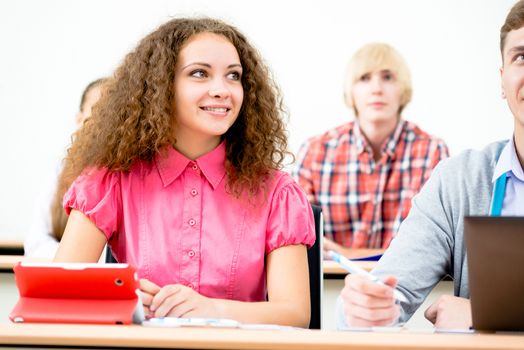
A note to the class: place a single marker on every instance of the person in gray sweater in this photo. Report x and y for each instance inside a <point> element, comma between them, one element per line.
<point>430,242</point>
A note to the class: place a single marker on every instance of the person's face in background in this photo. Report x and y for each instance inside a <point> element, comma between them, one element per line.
<point>376,97</point>
<point>208,89</point>
<point>512,73</point>
<point>92,97</point>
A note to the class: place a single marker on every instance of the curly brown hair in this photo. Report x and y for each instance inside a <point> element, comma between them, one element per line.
<point>133,119</point>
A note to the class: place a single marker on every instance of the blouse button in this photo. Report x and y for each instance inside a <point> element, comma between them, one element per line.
<point>194,192</point>
<point>191,222</point>
<point>194,166</point>
<point>191,253</point>
<point>190,285</point>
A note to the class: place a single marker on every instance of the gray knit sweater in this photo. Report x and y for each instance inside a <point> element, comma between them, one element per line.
<point>430,241</point>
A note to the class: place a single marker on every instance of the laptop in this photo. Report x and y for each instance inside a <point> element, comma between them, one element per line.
<point>495,253</point>
<point>77,293</point>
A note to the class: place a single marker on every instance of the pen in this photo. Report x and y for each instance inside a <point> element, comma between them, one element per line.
<point>194,321</point>
<point>353,268</point>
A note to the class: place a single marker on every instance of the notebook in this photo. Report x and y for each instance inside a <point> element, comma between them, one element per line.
<point>495,253</point>
<point>77,293</point>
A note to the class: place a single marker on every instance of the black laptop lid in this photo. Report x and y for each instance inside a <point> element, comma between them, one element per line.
<point>495,253</point>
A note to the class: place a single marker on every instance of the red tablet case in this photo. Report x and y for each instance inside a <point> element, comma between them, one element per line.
<point>75,293</point>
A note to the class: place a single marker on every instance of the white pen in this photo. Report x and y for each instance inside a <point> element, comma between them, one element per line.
<point>353,268</point>
<point>192,321</point>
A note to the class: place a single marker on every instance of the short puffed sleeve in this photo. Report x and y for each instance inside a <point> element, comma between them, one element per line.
<point>290,217</point>
<point>96,193</point>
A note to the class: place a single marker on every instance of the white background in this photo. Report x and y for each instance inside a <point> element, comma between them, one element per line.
<point>49,51</point>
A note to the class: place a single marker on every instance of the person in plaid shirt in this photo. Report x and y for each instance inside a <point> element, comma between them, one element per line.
<point>364,173</point>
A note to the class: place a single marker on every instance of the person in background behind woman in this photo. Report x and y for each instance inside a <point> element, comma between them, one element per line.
<point>178,170</point>
<point>364,173</point>
<point>49,218</point>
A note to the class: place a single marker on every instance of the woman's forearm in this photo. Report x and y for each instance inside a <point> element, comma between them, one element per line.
<point>274,312</point>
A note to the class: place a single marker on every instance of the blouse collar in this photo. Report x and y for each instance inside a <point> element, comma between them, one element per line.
<point>171,163</point>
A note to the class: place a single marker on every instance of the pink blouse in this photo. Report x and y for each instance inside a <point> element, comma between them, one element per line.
<point>174,221</point>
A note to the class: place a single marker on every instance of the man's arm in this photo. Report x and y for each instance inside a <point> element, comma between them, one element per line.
<point>419,257</point>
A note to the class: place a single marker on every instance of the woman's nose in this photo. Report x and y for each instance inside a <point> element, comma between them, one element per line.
<point>219,89</point>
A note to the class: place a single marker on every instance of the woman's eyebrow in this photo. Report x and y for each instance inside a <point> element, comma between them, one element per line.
<point>197,64</point>
<point>209,66</point>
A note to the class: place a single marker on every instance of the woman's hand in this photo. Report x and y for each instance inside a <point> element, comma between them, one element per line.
<point>148,290</point>
<point>177,300</point>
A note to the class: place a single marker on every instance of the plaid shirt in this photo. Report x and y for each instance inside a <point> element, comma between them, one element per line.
<point>363,200</point>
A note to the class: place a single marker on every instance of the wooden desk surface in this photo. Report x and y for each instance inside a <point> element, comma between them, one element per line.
<point>211,338</point>
<point>8,261</point>
<point>11,243</point>
<point>11,247</point>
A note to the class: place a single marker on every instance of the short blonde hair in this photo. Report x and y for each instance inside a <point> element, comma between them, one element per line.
<point>376,57</point>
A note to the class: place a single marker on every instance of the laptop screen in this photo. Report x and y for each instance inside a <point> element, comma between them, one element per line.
<point>495,253</point>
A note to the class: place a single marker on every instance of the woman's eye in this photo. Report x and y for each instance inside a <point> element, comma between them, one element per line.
<point>198,73</point>
<point>388,76</point>
<point>519,58</point>
<point>234,76</point>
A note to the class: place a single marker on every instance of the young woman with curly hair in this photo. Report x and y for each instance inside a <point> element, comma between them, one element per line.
<point>178,170</point>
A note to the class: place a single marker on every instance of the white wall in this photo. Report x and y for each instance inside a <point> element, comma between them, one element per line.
<point>51,49</point>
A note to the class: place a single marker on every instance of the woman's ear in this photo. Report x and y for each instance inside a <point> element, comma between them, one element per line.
<point>79,119</point>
